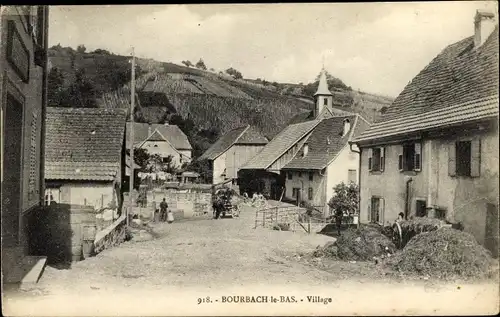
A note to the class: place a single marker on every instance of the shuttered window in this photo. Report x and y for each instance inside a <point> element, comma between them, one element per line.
<point>376,212</point>
<point>464,158</point>
<point>370,154</point>
<point>376,159</point>
<point>410,157</point>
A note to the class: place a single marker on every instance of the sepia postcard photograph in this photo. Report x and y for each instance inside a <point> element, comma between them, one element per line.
<point>285,159</point>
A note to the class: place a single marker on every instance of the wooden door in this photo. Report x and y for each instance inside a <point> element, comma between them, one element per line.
<point>12,162</point>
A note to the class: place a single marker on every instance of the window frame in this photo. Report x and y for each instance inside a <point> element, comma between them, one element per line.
<point>411,162</point>
<point>381,210</point>
<point>464,159</point>
<point>381,159</point>
<point>475,157</point>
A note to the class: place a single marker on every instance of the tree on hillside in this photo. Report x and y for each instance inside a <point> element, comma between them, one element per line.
<point>233,72</point>
<point>187,63</point>
<point>81,92</point>
<point>81,48</point>
<point>201,65</point>
<point>101,51</point>
<point>55,87</point>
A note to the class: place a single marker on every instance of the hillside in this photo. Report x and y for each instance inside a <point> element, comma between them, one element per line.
<point>205,104</point>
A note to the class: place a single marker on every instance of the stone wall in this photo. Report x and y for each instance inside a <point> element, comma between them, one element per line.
<point>111,236</point>
<point>189,204</point>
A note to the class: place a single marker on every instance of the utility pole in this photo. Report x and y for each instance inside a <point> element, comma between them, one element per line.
<point>131,164</point>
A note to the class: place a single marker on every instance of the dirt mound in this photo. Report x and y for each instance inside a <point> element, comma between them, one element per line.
<point>443,253</point>
<point>360,244</point>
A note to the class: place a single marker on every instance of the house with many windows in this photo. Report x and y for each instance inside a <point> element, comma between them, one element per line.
<point>309,157</point>
<point>435,151</point>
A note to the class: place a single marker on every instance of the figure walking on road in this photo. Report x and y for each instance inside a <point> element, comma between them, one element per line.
<point>163,210</point>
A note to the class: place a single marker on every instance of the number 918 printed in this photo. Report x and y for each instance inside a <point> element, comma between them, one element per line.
<point>205,300</point>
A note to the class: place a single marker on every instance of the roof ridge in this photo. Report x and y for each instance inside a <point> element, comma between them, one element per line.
<point>298,139</point>
<point>241,134</point>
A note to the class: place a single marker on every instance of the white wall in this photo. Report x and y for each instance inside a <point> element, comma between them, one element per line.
<point>338,170</point>
<point>219,164</point>
<point>303,182</point>
<point>163,149</point>
<point>90,194</point>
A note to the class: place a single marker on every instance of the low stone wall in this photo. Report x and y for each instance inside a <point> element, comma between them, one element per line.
<point>189,204</point>
<point>111,235</point>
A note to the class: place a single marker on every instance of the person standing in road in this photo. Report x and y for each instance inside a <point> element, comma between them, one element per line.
<point>163,210</point>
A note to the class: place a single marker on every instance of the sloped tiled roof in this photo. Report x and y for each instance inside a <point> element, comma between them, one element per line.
<point>460,75</point>
<point>172,133</point>
<point>241,135</point>
<point>309,115</point>
<point>83,143</point>
<point>280,144</point>
<point>324,143</point>
<point>451,116</point>
<point>252,136</point>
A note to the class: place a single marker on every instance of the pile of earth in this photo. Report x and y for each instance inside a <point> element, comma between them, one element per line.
<point>358,244</point>
<point>444,253</point>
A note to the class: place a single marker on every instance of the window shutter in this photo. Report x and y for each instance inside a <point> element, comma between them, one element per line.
<point>452,162</point>
<point>400,159</point>
<point>418,157</point>
<point>369,213</point>
<point>381,209</point>
<point>475,162</point>
<point>370,154</point>
<point>382,158</point>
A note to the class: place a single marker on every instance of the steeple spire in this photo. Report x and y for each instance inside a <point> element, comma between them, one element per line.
<point>323,85</point>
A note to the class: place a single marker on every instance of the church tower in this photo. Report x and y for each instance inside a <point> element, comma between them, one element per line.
<point>323,97</point>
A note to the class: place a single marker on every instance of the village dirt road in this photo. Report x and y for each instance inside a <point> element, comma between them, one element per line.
<point>195,259</point>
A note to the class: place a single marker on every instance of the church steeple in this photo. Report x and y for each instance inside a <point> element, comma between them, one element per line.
<point>323,97</point>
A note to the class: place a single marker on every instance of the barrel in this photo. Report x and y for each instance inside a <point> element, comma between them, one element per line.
<point>76,238</point>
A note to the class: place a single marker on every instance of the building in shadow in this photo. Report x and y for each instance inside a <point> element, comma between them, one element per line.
<point>23,91</point>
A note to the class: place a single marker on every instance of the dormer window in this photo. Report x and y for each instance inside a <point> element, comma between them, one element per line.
<point>347,127</point>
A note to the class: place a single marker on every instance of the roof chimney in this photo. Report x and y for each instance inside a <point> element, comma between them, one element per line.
<point>484,24</point>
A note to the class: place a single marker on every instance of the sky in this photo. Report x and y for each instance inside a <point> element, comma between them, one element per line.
<point>374,47</point>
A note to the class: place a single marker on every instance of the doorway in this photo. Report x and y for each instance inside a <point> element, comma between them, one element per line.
<point>420,208</point>
<point>12,129</point>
